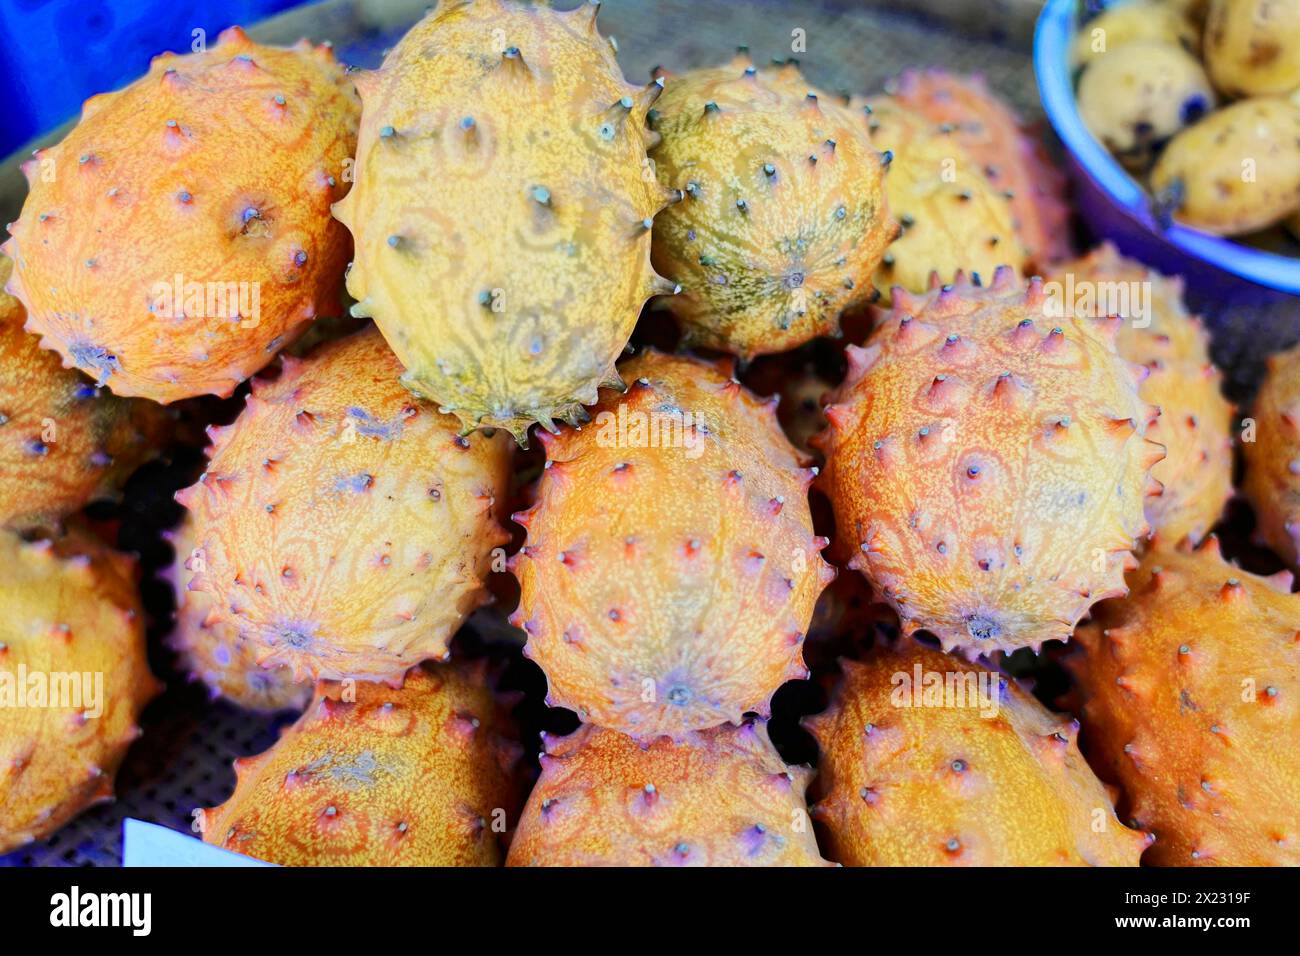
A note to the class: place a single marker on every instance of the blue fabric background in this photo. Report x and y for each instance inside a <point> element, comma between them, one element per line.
<point>56,53</point>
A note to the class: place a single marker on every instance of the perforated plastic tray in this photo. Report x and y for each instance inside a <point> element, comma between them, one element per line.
<point>183,760</point>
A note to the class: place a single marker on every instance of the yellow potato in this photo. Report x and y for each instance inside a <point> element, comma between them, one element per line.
<point>1237,170</point>
<point>1252,47</point>
<point>1135,98</point>
<point>1128,22</point>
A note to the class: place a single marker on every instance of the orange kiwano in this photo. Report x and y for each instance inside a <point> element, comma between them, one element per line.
<point>213,175</point>
<point>1272,455</point>
<point>343,527</point>
<point>1195,423</point>
<point>953,219</point>
<point>670,569</point>
<point>370,775</point>
<point>70,611</point>
<point>929,761</point>
<point>1191,690</point>
<point>720,797</point>
<point>783,219</point>
<point>986,461</point>
<point>1011,157</point>
<point>215,653</point>
<point>63,441</point>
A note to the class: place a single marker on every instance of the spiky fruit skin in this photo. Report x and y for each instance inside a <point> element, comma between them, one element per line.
<point>215,654</point>
<point>217,167</point>
<point>1191,689</point>
<point>1252,47</point>
<point>913,778</point>
<point>502,210</point>
<point>1200,171</point>
<point>1272,477</point>
<point>63,441</point>
<point>970,432</point>
<point>720,797</point>
<point>346,527</point>
<point>783,218</point>
<point>423,775</point>
<point>1012,158</point>
<point>667,587</point>
<point>1195,423</point>
<point>953,218</point>
<point>70,610</point>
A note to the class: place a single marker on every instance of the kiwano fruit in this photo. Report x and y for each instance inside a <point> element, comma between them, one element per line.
<point>371,775</point>
<point>213,175</point>
<point>1272,478</point>
<point>783,220</point>
<point>720,797</point>
<point>1135,98</point>
<point>1012,157</point>
<point>1252,47</point>
<point>345,527</point>
<point>73,679</point>
<point>953,219</point>
<point>214,653</point>
<point>63,441</point>
<point>670,568</point>
<point>1191,689</point>
<point>502,210</point>
<point>929,761</point>
<point>1135,20</point>
<point>1195,423</point>
<point>972,431</point>
<point>1199,176</point>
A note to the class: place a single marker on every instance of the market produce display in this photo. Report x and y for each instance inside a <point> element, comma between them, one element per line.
<point>756,436</point>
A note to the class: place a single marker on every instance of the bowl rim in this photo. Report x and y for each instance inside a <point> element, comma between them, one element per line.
<point>1053,37</point>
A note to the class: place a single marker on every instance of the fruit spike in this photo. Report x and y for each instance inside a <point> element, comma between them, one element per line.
<point>1195,423</point>
<point>1191,690</point>
<point>953,219</point>
<point>346,528</point>
<point>784,220</point>
<point>972,430</point>
<point>670,568</point>
<point>213,174</point>
<point>63,442</point>
<point>928,761</point>
<point>215,654</point>
<point>507,277</point>
<point>371,775</point>
<point>72,632</point>
<point>1272,457</point>
<point>720,797</point>
<point>1011,156</point>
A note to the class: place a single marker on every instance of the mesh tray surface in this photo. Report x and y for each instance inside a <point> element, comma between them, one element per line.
<point>183,760</point>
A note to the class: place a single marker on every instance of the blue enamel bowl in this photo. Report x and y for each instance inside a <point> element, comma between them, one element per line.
<point>1250,297</point>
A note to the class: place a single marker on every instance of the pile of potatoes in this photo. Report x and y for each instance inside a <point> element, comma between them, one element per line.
<point>1201,98</point>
